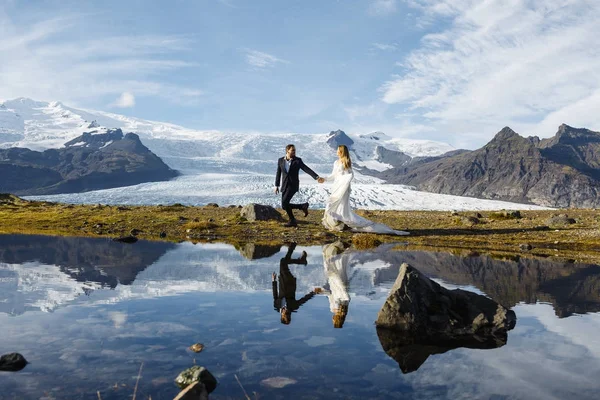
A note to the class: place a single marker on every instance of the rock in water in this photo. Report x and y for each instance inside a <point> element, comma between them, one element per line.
<point>422,308</point>
<point>196,374</point>
<point>12,362</point>
<point>126,239</point>
<point>259,212</point>
<point>197,347</point>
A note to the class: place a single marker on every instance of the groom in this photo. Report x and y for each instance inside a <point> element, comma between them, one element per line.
<point>288,168</point>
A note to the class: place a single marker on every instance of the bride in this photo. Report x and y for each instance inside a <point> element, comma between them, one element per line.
<point>338,213</point>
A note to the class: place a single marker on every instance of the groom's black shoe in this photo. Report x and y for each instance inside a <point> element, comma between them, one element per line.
<point>291,224</point>
<point>305,209</point>
<point>303,258</point>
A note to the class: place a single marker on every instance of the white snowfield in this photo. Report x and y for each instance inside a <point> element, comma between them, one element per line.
<point>227,167</point>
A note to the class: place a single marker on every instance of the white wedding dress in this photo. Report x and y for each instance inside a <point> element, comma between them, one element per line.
<point>338,212</point>
<point>335,262</point>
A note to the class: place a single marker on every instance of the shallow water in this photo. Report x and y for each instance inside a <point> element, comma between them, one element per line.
<point>86,313</point>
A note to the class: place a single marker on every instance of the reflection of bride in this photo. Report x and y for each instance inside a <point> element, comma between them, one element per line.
<point>336,270</point>
<point>338,213</point>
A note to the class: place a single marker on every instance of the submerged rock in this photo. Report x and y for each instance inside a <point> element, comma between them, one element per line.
<point>197,347</point>
<point>422,308</point>
<point>196,374</point>
<point>259,212</point>
<point>12,362</point>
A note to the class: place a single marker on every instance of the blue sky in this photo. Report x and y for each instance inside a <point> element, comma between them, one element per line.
<point>414,68</point>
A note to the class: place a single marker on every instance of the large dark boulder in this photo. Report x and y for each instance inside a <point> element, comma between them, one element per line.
<point>91,161</point>
<point>12,362</point>
<point>258,212</point>
<point>421,318</point>
<point>420,307</point>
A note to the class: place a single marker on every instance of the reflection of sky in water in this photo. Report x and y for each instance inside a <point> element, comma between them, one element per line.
<point>95,342</point>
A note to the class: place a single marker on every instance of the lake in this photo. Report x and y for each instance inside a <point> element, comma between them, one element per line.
<point>87,313</point>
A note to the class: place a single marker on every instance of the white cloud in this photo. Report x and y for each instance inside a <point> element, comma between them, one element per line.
<point>382,7</point>
<point>50,60</point>
<point>528,64</point>
<point>125,100</point>
<point>260,59</point>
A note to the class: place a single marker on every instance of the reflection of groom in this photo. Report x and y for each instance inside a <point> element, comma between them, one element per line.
<point>285,301</point>
<point>288,168</point>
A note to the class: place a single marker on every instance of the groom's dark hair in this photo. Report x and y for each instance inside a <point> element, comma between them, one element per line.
<point>289,146</point>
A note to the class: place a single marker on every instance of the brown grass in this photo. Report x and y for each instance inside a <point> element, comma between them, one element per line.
<point>429,229</point>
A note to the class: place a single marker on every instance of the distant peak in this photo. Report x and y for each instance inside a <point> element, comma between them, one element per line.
<point>567,133</point>
<point>337,138</point>
<point>337,133</point>
<point>378,135</point>
<point>506,133</point>
<point>25,101</point>
<point>93,124</point>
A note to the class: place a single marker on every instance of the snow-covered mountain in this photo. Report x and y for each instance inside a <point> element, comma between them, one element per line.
<point>225,167</point>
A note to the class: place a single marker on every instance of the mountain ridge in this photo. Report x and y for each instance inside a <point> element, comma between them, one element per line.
<point>562,171</point>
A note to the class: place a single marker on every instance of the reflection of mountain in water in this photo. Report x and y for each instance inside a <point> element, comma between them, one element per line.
<point>41,272</point>
<point>570,288</point>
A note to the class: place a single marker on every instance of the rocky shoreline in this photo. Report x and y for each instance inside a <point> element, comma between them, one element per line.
<point>573,234</point>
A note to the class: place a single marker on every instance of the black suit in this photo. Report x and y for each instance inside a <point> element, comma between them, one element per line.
<point>291,183</point>
<point>287,284</point>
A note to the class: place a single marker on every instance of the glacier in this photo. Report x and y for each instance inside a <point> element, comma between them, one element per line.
<point>227,168</point>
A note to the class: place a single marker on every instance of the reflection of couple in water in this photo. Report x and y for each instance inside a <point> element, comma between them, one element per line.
<point>335,264</point>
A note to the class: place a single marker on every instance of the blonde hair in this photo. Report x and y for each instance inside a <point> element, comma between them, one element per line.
<point>345,158</point>
<point>339,316</point>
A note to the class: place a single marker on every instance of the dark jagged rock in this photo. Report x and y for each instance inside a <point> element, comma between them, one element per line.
<point>89,162</point>
<point>420,307</point>
<point>259,212</point>
<point>421,318</point>
<point>563,171</point>
<point>197,374</point>
<point>337,138</point>
<point>12,362</point>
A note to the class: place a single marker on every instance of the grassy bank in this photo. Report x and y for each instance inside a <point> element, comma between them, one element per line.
<point>465,231</point>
